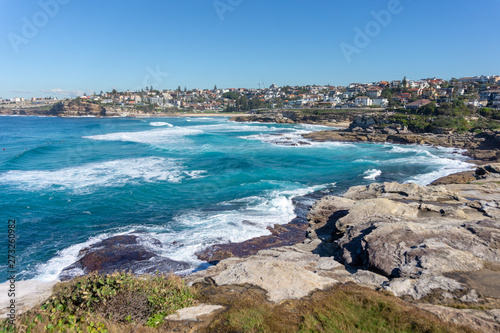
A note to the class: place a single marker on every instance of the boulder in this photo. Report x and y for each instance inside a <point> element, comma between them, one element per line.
<point>456,178</point>
<point>281,279</point>
<point>363,211</point>
<point>418,288</point>
<point>412,249</point>
<point>325,210</point>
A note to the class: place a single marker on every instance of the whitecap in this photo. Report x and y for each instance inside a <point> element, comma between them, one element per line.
<point>89,177</point>
<point>157,136</point>
<point>160,123</point>
<point>372,174</point>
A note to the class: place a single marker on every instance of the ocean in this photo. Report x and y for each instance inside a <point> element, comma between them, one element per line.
<point>189,182</point>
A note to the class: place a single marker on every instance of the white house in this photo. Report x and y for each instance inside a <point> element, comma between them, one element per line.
<point>380,101</point>
<point>363,100</point>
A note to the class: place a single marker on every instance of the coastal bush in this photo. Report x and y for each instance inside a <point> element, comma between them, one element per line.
<point>344,308</point>
<point>489,113</point>
<point>96,303</point>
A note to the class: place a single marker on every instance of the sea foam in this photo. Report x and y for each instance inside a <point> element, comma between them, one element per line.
<point>89,177</point>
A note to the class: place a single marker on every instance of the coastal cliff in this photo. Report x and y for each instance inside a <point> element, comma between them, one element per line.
<point>77,108</point>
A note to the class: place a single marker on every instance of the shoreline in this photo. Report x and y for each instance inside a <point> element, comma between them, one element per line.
<point>46,287</point>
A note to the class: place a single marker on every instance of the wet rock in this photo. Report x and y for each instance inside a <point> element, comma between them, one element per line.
<point>281,235</point>
<point>121,253</point>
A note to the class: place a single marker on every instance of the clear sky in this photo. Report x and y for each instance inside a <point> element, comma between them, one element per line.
<point>64,47</point>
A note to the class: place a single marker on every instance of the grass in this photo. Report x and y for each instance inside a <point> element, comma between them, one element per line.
<point>344,308</point>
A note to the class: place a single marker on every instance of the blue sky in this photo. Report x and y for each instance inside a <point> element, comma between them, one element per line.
<point>100,45</point>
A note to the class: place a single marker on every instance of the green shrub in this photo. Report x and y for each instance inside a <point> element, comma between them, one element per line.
<point>94,302</point>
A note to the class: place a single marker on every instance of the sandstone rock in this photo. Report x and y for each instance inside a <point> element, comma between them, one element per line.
<point>369,278</point>
<point>482,321</point>
<point>418,288</point>
<point>281,235</point>
<point>281,279</point>
<point>194,313</point>
<point>375,209</point>
<point>322,211</point>
<point>397,191</point>
<point>456,178</point>
<point>489,169</point>
<point>414,248</point>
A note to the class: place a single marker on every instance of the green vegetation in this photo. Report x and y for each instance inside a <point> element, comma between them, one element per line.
<point>489,113</point>
<point>344,308</point>
<point>117,302</point>
<point>455,116</point>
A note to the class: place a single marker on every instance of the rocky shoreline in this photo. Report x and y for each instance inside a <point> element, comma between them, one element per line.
<point>436,246</point>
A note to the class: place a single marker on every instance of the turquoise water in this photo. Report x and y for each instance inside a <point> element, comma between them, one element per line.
<point>189,182</point>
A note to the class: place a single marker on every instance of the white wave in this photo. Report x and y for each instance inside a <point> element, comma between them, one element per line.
<point>282,139</point>
<point>372,174</point>
<point>50,270</point>
<point>157,136</point>
<point>160,123</point>
<point>234,127</point>
<point>447,167</point>
<point>232,221</point>
<point>424,149</point>
<point>235,221</point>
<point>88,177</point>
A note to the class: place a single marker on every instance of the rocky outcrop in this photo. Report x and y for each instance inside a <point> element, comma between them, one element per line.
<point>120,253</point>
<point>416,236</point>
<point>291,117</point>
<point>281,279</point>
<point>289,272</point>
<point>77,108</point>
<point>281,235</point>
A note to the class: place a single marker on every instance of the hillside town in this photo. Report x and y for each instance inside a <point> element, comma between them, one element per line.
<point>477,91</point>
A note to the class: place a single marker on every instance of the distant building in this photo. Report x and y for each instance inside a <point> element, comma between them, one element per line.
<point>363,100</point>
<point>417,104</point>
<point>380,101</point>
<point>374,92</point>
